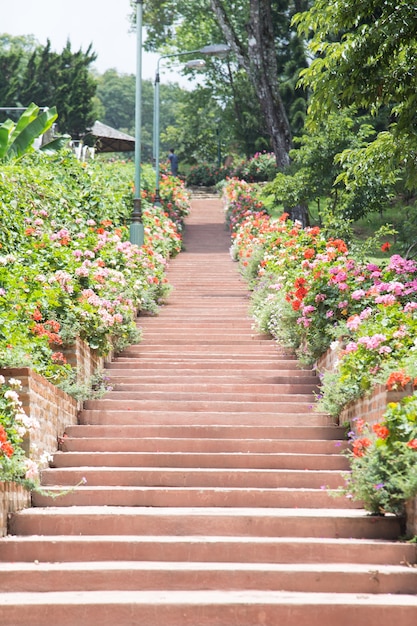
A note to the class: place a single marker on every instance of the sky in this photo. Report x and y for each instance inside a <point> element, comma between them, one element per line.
<point>104,23</point>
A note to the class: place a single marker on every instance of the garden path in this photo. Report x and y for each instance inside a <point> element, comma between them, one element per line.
<point>206,468</point>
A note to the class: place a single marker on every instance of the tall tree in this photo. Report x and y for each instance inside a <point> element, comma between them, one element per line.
<point>258,32</point>
<point>366,56</point>
<point>63,80</point>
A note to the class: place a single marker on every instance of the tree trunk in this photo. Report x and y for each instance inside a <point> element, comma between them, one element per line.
<point>259,61</point>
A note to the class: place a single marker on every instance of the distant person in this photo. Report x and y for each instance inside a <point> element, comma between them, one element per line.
<point>173,159</point>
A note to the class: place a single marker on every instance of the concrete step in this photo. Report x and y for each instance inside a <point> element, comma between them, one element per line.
<point>289,404</point>
<point>132,415</point>
<point>185,397</point>
<point>88,495</point>
<point>193,576</point>
<point>202,459</point>
<point>142,372</point>
<point>194,477</point>
<point>238,389</point>
<point>330,523</point>
<point>189,444</point>
<point>331,434</point>
<point>284,550</point>
<point>217,608</point>
<point>273,366</point>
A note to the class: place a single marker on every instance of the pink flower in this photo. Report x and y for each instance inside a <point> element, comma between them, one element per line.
<point>358,294</point>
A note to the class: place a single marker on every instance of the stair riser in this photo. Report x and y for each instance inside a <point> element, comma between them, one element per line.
<point>223,407</point>
<point>103,416</point>
<point>188,389</point>
<point>277,433</point>
<point>226,460</point>
<point>238,525</point>
<point>200,445</point>
<point>204,397</point>
<point>181,614</point>
<point>233,550</point>
<point>144,378</point>
<point>204,497</point>
<point>177,579</point>
<point>171,477</point>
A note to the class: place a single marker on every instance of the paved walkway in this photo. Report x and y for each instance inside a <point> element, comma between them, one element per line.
<point>205,502</point>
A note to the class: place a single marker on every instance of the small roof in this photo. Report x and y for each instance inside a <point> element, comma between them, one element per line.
<point>111,140</point>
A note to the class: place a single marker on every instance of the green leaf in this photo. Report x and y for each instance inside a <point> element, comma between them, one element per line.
<point>24,140</point>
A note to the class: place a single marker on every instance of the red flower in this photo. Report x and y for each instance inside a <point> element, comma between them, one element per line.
<point>7,448</point>
<point>339,244</point>
<point>3,434</point>
<point>385,246</point>
<point>309,253</point>
<point>412,444</point>
<point>57,357</point>
<point>283,217</point>
<point>37,315</point>
<point>381,431</point>
<point>397,381</point>
<point>360,446</point>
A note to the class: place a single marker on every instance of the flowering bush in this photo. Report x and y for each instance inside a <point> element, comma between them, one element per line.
<point>261,167</point>
<point>68,268</point>
<point>14,426</point>
<point>310,292</point>
<point>383,459</point>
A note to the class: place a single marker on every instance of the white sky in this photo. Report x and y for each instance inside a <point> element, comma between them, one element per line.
<point>104,23</point>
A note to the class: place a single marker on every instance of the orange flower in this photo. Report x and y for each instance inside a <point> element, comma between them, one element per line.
<point>37,315</point>
<point>7,448</point>
<point>360,446</point>
<point>309,253</point>
<point>397,381</point>
<point>380,430</point>
<point>385,246</point>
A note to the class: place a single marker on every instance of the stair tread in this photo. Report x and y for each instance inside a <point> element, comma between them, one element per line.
<point>189,597</point>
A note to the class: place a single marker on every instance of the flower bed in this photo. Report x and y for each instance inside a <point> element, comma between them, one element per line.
<point>310,291</point>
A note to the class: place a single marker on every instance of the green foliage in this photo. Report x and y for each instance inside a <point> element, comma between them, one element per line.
<point>261,167</point>
<point>18,139</point>
<point>63,80</point>
<point>67,268</point>
<point>328,167</point>
<point>365,55</point>
<point>14,426</point>
<point>236,81</point>
<point>384,460</point>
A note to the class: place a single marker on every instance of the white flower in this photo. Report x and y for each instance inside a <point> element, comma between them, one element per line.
<point>15,383</point>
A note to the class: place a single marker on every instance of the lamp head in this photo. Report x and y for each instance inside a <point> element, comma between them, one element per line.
<point>195,64</point>
<point>215,50</point>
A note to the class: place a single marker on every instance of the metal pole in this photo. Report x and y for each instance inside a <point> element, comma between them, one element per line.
<point>136,225</point>
<point>156,137</point>
<point>218,50</point>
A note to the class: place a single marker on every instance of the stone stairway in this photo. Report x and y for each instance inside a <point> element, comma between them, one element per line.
<point>206,485</point>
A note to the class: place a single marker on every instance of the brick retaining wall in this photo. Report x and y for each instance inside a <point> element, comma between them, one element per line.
<point>53,408</point>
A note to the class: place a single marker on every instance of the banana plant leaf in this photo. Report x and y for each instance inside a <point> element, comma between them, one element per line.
<point>33,129</point>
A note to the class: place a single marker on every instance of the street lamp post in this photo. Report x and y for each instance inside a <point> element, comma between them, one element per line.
<point>218,50</point>
<point>136,225</point>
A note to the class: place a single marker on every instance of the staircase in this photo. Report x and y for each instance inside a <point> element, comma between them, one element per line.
<point>208,477</point>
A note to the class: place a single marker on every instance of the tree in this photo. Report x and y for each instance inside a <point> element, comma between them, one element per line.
<point>366,56</point>
<point>258,32</point>
<point>62,80</point>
